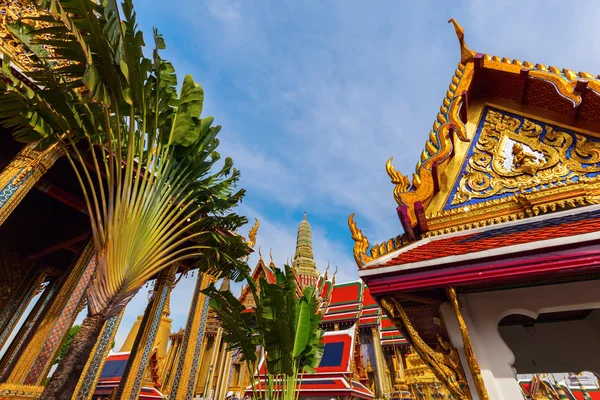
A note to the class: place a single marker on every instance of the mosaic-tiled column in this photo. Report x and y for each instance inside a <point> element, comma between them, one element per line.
<point>33,366</point>
<point>131,380</point>
<point>22,174</point>
<point>166,377</point>
<point>378,359</point>
<point>184,379</point>
<point>25,333</point>
<point>93,369</point>
<point>22,295</point>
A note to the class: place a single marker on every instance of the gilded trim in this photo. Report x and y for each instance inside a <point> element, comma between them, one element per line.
<point>468,347</point>
<point>22,174</point>
<point>445,364</point>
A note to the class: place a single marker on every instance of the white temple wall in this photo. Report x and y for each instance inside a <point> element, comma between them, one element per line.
<point>483,311</point>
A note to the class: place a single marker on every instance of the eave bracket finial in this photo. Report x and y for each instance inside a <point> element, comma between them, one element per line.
<point>252,233</point>
<point>466,54</point>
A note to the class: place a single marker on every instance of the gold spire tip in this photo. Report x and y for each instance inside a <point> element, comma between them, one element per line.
<point>466,54</point>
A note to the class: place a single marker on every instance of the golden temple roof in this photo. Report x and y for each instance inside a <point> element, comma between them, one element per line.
<point>428,204</point>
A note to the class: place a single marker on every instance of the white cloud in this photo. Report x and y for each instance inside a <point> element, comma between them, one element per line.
<point>225,10</point>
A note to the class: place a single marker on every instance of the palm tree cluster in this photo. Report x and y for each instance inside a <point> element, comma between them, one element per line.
<point>155,188</point>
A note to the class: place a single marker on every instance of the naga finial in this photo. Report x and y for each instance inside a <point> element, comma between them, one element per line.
<point>326,269</point>
<point>334,274</point>
<point>361,243</point>
<point>401,181</point>
<point>466,54</point>
<point>252,233</point>
<point>259,253</point>
<point>271,256</point>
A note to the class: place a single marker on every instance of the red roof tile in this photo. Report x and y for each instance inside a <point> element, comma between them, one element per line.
<point>569,225</point>
<point>346,293</point>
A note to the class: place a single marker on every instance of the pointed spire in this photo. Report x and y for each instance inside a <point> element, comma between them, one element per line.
<point>304,261</point>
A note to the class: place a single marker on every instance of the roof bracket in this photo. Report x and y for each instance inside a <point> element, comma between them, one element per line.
<point>405,221</point>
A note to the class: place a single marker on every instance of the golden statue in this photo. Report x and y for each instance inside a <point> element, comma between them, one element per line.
<point>526,162</point>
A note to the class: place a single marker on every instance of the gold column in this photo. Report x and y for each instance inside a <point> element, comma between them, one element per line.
<point>23,337</point>
<point>223,373</point>
<point>214,361</point>
<point>166,376</point>
<point>199,381</point>
<point>30,286</point>
<point>379,363</point>
<point>184,380</point>
<point>33,366</point>
<point>22,174</point>
<point>471,359</point>
<point>95,364</point>
<point>131,380</point>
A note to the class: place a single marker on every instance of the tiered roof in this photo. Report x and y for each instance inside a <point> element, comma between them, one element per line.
<point>352,303</point>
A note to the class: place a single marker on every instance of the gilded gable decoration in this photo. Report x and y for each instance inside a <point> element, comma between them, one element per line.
<point>513,152</point>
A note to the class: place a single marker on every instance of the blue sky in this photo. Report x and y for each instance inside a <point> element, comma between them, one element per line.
<point>314,96</point>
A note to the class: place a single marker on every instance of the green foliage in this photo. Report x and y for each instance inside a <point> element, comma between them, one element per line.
<point>66,343</point>
<point>155,188</point>
<point>283,324</point>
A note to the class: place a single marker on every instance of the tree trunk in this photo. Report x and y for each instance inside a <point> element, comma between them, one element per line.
<point>64,380</point>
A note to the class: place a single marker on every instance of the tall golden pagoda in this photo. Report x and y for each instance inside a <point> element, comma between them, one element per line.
<point>304,261</point>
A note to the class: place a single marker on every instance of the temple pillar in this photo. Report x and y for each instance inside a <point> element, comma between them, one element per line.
<point>93,368</point>
<point>184,379</point>
<point>166,376</point>
<point>34,364</point>
<point>131,381</point>
<point>25,333</point>
<point>22,174</point>
<point>379,362</point>
<point>214,360</point>
<point>199,382</point>
<point>223,372</point>
<point>12,311</point>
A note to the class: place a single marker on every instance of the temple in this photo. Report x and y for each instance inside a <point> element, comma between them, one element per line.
<point>365,355</point>
<point>494,279</point>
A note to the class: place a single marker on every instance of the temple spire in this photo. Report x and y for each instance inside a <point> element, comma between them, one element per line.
<point>304,261</point>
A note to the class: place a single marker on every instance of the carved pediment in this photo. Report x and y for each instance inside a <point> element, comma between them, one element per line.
<point>512,154</point>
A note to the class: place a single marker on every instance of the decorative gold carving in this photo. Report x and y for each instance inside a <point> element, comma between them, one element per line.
<point>12,391</point>
<point>466,54</point>
<point>438,150</point>
<point>23,172</point>
<point>401,181</point>
<point>361,243</point>
<point>252,233</point>
<point>511,154</point>
<point>528,201</point>
<point>468,347</point>
<point>445,365</point>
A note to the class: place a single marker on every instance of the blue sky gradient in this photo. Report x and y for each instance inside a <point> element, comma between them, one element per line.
<point>314,96</point>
